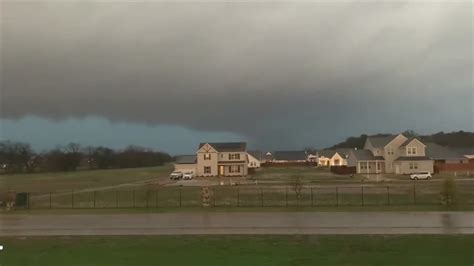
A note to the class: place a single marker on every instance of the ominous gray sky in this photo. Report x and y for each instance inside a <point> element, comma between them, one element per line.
<point>277,74</point>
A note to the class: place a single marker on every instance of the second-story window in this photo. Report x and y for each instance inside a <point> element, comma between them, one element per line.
<point>207,156</point>
<point>234,156</point>
<point>411,150</point>
<point>390,151</point>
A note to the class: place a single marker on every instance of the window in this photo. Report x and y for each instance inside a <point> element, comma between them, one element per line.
<point>207,169</point>
<point>413,166</point>
<point>336,162</point>
<point>234,169</point>
<point>390,151</point>
<point>234,156</point>
<point>207,156</point>
<point>411,150</point>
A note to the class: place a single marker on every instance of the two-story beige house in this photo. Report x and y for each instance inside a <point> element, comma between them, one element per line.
<point>391,154</point>
<point>222,159</point>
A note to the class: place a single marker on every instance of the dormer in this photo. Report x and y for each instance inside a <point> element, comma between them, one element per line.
<point>412,147</point>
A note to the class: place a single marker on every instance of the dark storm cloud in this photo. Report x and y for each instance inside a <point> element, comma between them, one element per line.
<point>282,71</point>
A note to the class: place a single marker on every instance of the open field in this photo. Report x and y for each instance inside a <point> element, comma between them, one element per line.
<point>86,179</point>
<point>253,196</point>
<point>269,187</point>
<point>239,250</point>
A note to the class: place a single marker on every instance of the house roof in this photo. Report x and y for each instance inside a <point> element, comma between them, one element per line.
<point>289,155</point>
<point>380,142</point>
<point>344,152</point>
<point>465,151</point>
<point>365,155</point>
<point>186,159</point>
<point>257,154</point>
<point>438,152</point>
<point>410,139</point>
<point>413,158</point>
<point>326,153</point>
<point>226,146</point>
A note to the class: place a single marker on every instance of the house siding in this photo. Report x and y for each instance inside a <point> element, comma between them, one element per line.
<point>403,167</point>
<point>201,164</point>
<point>390,158</point>
<point>221,161</point>
<point>185,167</point>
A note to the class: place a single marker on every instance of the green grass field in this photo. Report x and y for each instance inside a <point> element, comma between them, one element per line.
<point>46,182</point>
<point>238,250</point>
<point>106,189</point>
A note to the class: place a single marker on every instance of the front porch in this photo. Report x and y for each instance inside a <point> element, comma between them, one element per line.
<point>371,167</point>
<point>232,169</point>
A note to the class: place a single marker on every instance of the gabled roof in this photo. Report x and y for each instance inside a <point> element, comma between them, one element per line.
<point>226,146</point>
<point>186,159</point>
<point>410,139</point>
<point>438,152</point>
<point>344,152</point>
<point>289,155</point>
<point>380,142</point>
<point>326,153</point>
<point>365,155</point>
<point>257,155</point>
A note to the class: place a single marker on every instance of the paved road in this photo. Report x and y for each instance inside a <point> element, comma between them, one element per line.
<point>239,223</point>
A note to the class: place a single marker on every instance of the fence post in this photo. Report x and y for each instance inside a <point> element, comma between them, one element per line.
<point>261,196</point>
<point>414,194</point>
<point>28,200</point>
<point>362,195</point>
<point>180,198</point>
<point>156,198</point>
<point>50,200</point>
<point>388,195</point>
<point>311,189</point>
<point>94,198</point>
<point>72,198</point>
<point>337,196</point>
<point>116,199</point>
<point>286,197</point>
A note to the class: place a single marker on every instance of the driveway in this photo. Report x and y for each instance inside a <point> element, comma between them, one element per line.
<point>239,223</point>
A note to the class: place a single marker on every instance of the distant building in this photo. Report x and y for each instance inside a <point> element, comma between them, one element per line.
<point>391,154</point>
<point>255,159</point>
<point>289,156</point>
<point>216,159</point>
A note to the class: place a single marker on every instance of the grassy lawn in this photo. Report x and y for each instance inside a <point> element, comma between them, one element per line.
<point>285,175</point>
<point>45,182</point>
<point>239,250</point>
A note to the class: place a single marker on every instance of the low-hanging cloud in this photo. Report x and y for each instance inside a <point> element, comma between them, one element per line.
<point>272,71</point>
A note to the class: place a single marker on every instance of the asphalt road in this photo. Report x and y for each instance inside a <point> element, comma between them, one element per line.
<point>239,223</point>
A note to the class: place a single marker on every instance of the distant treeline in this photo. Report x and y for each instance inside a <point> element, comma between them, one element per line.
<point>19,157</point>
<point>452,139</point>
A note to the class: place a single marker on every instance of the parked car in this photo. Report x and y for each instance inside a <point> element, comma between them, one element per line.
<point>420,175</point>
<point>176,175</point>
<point>188,176</point>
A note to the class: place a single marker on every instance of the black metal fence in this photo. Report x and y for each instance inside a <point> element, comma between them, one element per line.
<point>244,196</point>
